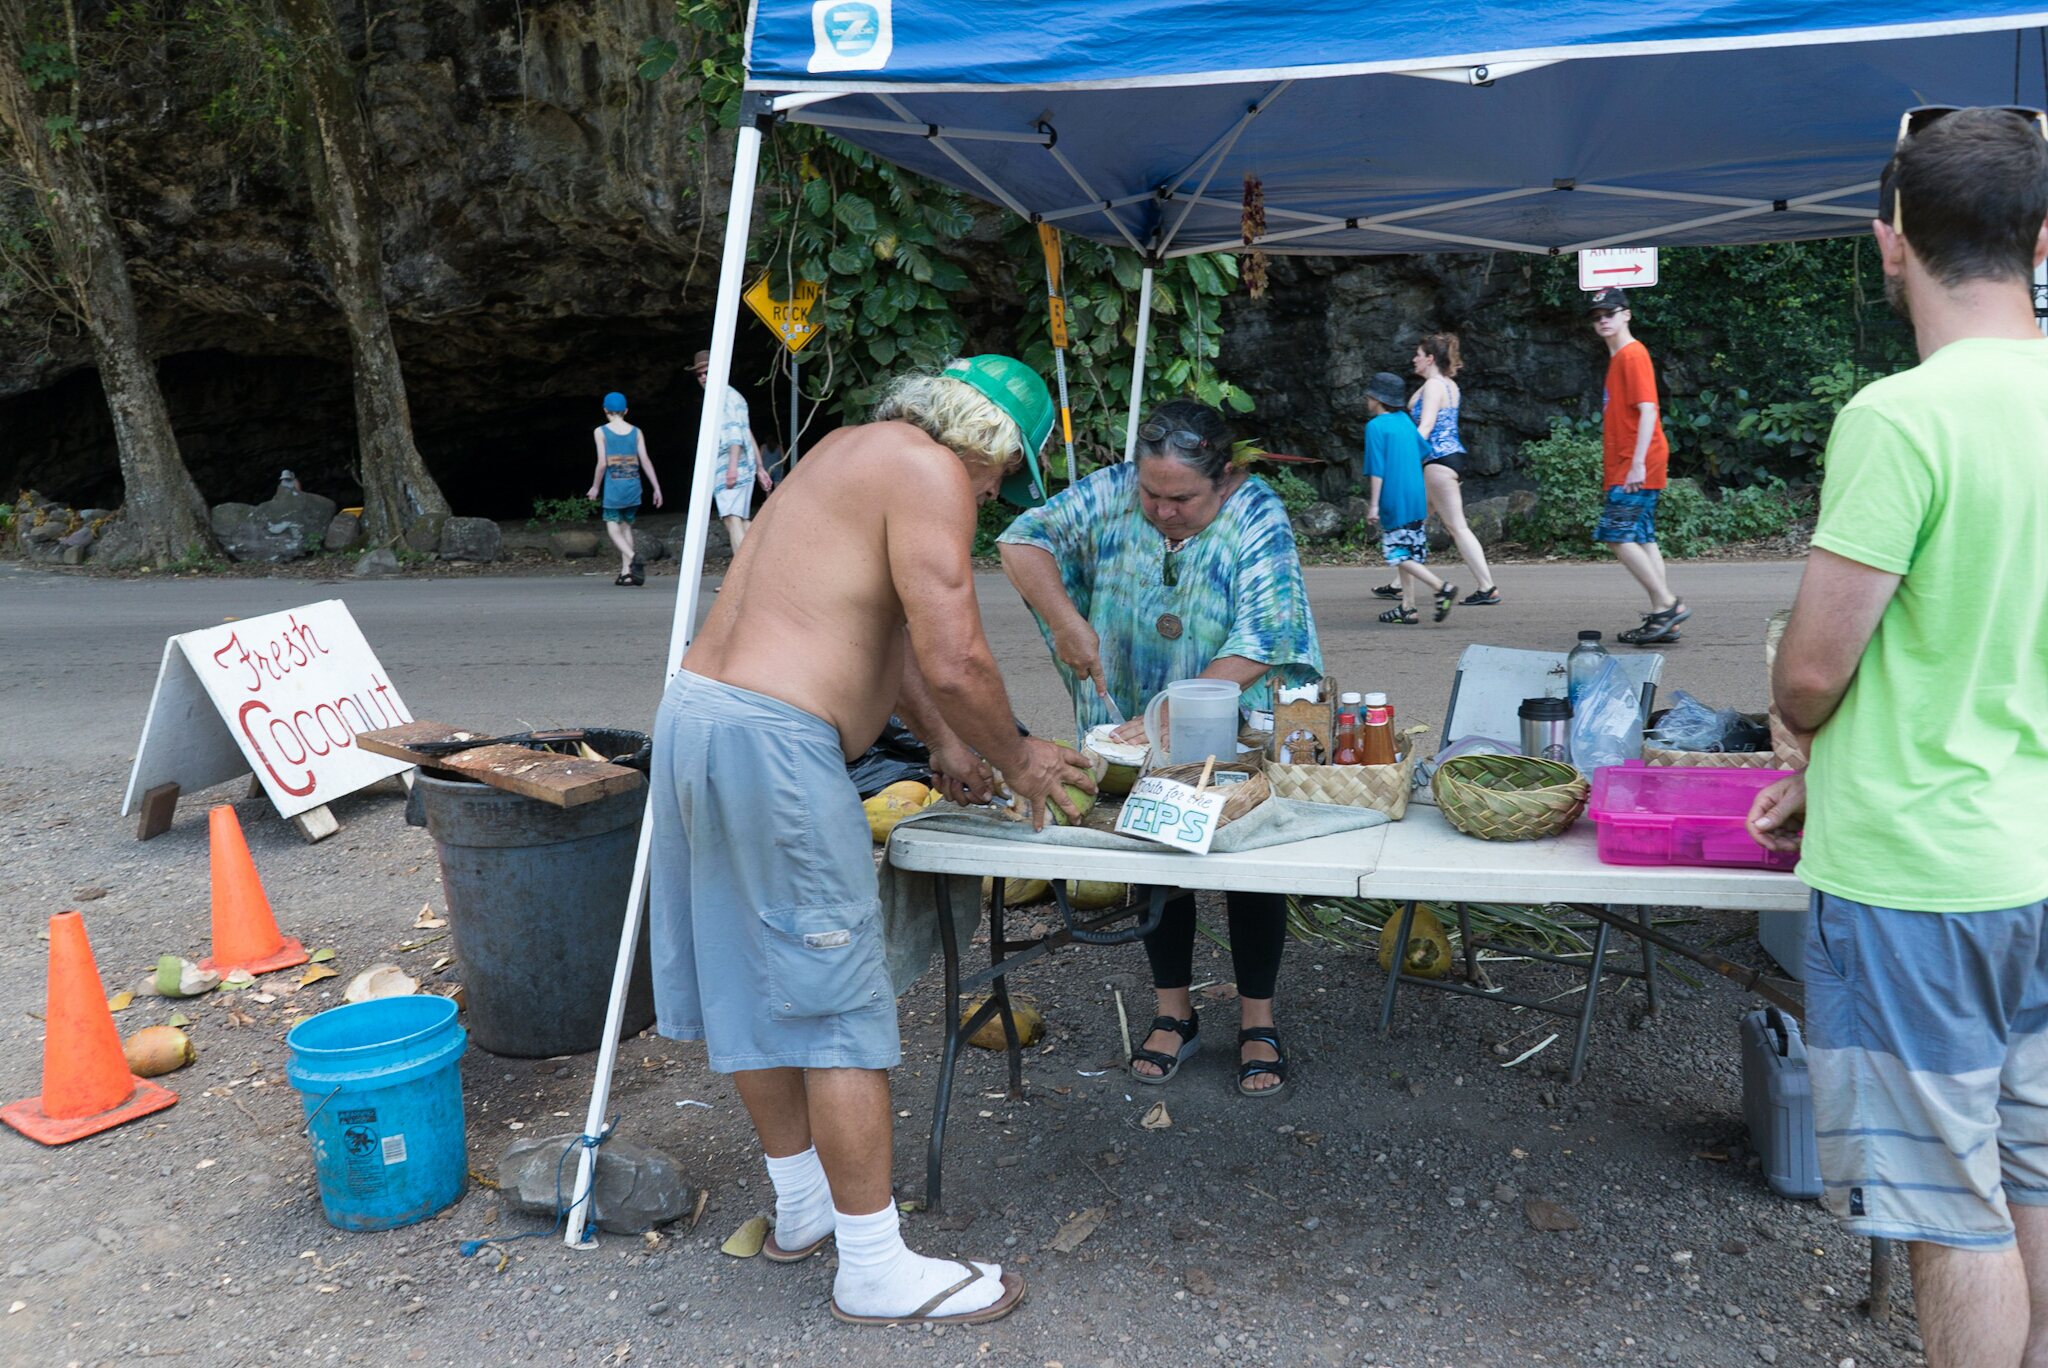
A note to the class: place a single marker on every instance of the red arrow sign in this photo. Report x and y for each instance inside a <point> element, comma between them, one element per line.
<point>1620,270</point>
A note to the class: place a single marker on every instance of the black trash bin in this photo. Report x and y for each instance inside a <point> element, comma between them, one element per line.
<point>536,898</point>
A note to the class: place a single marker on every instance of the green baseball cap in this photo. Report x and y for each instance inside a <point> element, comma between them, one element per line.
<point>1019,392</point>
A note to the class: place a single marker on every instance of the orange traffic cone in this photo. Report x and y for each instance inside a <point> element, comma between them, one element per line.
<point>86,1084</point>
<point>245,935</point>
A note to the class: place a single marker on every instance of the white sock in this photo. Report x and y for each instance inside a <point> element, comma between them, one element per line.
<point>880,1276</point>
<point>803,1199</point>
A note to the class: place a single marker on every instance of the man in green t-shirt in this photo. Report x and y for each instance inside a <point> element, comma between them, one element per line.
<point>1915,669</point>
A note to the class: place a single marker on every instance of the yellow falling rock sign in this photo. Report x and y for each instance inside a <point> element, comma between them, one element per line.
<point>788,319</point>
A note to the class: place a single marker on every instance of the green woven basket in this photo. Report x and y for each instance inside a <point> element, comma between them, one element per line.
<point>1509,797</point>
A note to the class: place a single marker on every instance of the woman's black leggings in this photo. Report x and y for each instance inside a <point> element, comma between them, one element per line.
<point>1258,932</point>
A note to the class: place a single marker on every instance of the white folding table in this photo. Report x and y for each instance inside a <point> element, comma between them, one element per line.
<point>1421,858</point>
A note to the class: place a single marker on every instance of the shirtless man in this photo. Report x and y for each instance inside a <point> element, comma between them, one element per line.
<point>852,597</point>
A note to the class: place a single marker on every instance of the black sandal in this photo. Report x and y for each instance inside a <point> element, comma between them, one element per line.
<point>1480,598</point>
<point>638,574</point>
<point>1248,1069</point>
<point>1445,597</point>
<point>1387,590</point>
<point>625,581</point>
<point>1406,617</point>
<point>1190,1033</point>
<point>1657,627</point>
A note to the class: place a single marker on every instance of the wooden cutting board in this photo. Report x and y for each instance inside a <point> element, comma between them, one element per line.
<point>563,780</point>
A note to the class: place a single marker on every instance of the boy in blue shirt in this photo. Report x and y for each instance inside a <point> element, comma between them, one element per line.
<point>1394,453</point>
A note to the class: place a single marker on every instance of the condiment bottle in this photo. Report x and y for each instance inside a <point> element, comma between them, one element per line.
<point>1344,749</point>
<point>1376,731</point>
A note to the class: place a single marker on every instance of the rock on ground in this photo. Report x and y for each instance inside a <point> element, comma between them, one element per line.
<point>573,543</point>
<point>425,533</point>
<point>470,539</point>
<point>1318,522</point>
<point>343,532</point>
<point>379,562</point>
<point>283,527</point>
<point>637,1188</point>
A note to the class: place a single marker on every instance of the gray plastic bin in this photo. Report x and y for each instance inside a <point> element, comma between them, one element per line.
<point>536,899</point>
<point>1777,1102</point>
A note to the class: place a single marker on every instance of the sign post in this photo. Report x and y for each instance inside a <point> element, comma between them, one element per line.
<point>1628,267</point>
<point>790,321</point>
<point>281,696</point>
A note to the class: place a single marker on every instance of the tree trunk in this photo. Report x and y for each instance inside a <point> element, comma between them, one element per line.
<point>397,489</point>
<point>161,502</point>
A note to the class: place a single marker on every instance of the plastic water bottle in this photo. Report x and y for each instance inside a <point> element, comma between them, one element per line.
<point>1583,664</point>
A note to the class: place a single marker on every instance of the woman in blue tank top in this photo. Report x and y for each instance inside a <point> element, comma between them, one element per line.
<point>621,458</point>
<point>1435,411</point>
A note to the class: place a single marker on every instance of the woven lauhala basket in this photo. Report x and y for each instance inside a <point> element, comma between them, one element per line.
<point>1509,797</point>
<point>1238,799</point>
<point>1383,788</point>
<point>1656,757</point>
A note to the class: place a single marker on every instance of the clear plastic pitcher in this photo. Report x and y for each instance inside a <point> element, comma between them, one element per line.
<point>1202,722</point>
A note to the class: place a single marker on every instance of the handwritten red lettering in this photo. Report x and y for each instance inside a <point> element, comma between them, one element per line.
<point>304,631</point>
<point>244,660</point>
<point>306,737</point>
<point>242,717</point>
<point>347,737</point>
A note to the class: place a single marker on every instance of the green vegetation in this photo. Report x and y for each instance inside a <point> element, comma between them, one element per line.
<point>1565,467</point>
<point>549,512</point>
<point>1296,494</point>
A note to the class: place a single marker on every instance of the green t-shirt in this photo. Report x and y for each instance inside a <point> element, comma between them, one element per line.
<point>1929,785</point>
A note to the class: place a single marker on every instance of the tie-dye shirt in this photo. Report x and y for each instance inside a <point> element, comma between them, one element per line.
<point>1238,589</point>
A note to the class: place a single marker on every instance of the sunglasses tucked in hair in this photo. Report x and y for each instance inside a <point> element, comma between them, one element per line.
<point>1978,179</point>
<point>1158,434</point>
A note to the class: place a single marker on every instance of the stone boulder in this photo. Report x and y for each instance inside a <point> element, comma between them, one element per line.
<point>343,532</point>
<point>649,547</point>
<point>382,561</point>
<point>574,543</point>
<point>470,539</point>
<point>120,545</point>
<point>1356,510</point>
<point>637,1188</point>
<point>1487,519</point>
<point>284,527</point>
<point>1522,502</point>
<point>425,533</point>
<point>1433,529</point>
<point>1318,522</point>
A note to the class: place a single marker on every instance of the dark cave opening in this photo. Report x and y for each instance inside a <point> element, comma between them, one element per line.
<point>497,431</point>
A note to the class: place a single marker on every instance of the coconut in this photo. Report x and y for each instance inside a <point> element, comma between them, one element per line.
<point>1428,952</point>
<point>1124,759</point>
<point>893,804</point>
<point>157,1050</point>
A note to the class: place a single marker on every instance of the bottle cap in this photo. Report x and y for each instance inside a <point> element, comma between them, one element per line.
<point>1589,636</point>
<point>1375,700</point>
<point>1345,698</point>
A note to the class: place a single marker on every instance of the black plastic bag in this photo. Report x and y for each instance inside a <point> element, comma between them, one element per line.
<point>896,755</point>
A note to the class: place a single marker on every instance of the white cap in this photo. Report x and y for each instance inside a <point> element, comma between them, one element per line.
<point>1347,698</point>
<point>1375,700</point>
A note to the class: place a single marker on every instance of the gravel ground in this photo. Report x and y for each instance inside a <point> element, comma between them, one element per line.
<point>1375,1215</point>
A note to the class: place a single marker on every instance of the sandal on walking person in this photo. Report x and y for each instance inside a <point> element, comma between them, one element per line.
<point>625,580</point>
<point>1481,598</point>
<point>1168,1065</point>
<point>1013,1296</point>
<point>1657,627</point>
<point>1445,597</point>
<point>1249,1069</point>
<point>1392,591</point>
<point>775,1253</point>
<point>638,574</point>
<point>1406,617</point>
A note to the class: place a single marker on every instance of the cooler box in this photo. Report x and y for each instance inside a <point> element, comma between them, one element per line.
<point>1777,1103</point>
<point>1680,816</point>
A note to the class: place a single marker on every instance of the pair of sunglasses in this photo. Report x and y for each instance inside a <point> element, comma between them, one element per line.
<point>1921,117</point>
<point>1152,434</point>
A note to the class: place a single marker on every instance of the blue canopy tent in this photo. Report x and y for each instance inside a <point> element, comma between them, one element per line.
<point>1515,126</point>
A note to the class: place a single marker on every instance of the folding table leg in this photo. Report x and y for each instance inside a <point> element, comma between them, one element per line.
<point>1649,955</point>
<point>1880,1304</point>
<point>1394,971</point>
<point>1465,942</point>
<point>950,944</point>
<point>1000,990</point>
<point>1592,994</point>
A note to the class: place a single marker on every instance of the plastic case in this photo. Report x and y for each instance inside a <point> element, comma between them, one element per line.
<point>1777,1103</point>
<point>1680,816</point>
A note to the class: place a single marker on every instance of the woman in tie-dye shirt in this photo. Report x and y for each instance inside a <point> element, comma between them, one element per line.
<point>1175,566</point>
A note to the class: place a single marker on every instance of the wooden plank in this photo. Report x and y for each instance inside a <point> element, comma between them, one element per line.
<point>393,741</point>
<point>316,824</point>
<point>158,806</point>
<point>564,780</point>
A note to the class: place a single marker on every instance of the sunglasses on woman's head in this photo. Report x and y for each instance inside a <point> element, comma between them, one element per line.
<point>1152,434</point>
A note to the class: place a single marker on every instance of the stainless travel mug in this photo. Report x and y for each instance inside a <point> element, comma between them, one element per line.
<point>1546,728</point>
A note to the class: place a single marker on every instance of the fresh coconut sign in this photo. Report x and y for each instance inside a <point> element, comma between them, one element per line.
<point>1171,813</point>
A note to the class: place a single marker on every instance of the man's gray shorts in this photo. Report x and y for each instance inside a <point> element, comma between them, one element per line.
<point>766,930</point>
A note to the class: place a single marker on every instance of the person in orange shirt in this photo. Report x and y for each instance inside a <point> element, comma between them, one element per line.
<point>1633,458</point>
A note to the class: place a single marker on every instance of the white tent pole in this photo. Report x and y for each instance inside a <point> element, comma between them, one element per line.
<point>724,322</point>
<point>1138,365</point>
<point>2041,296</point>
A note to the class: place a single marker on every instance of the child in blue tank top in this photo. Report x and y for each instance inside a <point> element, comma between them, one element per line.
<point>621,457</point>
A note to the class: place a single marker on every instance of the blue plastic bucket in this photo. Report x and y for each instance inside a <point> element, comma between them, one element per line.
<point>380,1088</point>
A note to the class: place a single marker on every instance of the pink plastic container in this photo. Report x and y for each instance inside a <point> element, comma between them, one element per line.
<point>1680,816</point>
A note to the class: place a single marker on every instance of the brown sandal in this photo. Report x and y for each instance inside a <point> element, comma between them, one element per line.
<point>1012,1298</point>
<point>775,1253</point>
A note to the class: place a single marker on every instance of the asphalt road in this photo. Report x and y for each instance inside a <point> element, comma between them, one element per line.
<point>79,653</point>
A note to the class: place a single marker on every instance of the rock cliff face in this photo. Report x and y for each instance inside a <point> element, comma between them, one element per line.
<point>546,241</point>
<point>1328,323</point>
<point>551,231</point>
